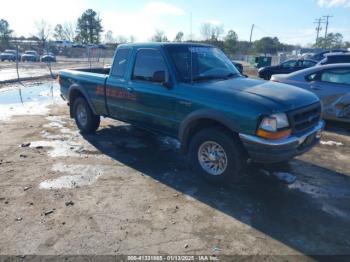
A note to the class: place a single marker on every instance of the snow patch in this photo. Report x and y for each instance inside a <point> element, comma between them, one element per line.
<point>282,176</point>
<point>331,143</point>
<point>80,175</point>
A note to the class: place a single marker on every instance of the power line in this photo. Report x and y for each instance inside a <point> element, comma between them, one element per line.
<point>251,33</point>
<point>318,28</point>
<point>327,23</point>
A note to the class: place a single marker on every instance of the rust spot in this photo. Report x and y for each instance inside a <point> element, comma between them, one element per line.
<point>115,93</point>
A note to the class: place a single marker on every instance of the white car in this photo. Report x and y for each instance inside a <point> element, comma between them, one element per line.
<point>331,83</point>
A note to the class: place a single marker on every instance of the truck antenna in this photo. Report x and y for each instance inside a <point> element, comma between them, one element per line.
<point>191,68</point>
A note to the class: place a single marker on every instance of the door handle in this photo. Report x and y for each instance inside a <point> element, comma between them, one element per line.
<point>130,90</point>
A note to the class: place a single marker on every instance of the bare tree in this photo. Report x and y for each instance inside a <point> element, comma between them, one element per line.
<point>43,31</point>
<point>132,39</point>
<point>159,36</point>
<point>217,32</point>
<point>69,31</point>
<point>211,32</point>
<point>121,39</point>
<point>108,38</point>
<point>179,36</point>
<point>206,30</point>
<point>58,32</point>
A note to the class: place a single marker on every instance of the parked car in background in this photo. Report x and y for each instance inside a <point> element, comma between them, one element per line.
<point>286,67</point>
<point>331,83</point>
<point>10,55</point>
<point>32,56</point>
<point>63,44</point>
<point>193,92</point>
<point>320,56</point>
<point>239,66</point>
<point>48,57</point>
<point>335,58</point>
<point>78,45</point>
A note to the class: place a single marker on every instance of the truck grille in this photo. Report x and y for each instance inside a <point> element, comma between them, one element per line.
<point>305,118</point>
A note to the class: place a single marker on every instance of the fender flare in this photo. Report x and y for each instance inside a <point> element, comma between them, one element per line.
<point>204,114</point>
<point>78,88</point>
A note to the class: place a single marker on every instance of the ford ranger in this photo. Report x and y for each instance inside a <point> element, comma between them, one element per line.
<point>194,93</point>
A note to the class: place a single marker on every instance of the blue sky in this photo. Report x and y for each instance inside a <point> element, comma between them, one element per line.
<point>290,20</point>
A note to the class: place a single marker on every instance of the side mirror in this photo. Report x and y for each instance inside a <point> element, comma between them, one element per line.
<point>159,77</point>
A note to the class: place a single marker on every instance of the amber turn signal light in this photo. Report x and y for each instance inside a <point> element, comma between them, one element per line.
<point>273,135</point>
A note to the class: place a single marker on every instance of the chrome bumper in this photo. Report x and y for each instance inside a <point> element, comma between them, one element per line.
<point>264,150</point>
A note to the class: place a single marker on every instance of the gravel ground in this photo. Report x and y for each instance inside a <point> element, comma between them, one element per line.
<point>127,191</point>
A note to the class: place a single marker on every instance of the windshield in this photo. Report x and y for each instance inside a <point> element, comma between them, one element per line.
<point>207,63</point>
<point>30,52</point>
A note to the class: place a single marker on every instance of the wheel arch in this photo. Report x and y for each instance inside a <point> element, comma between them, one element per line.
<point>204,119</point>
<point>76,91</point>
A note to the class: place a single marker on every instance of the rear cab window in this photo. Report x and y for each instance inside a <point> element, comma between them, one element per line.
<point>120,62</point>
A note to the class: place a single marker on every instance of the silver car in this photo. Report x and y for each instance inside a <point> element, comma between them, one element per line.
<point>331,83</point>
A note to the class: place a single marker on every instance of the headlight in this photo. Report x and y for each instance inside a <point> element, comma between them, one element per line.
<point>274,122</point>
<point>270,127</point>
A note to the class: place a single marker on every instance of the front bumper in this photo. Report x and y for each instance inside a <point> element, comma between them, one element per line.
<point>272,151</point>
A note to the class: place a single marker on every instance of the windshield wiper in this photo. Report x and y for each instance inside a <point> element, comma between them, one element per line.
<point>203,78</point>
<point>231,75</point>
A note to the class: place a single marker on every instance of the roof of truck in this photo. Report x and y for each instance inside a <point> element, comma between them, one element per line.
<point>158,44</point>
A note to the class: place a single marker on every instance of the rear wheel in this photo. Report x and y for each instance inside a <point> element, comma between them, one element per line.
<point>267,77</point>
<point>216,155</point>
<point>85,119</point>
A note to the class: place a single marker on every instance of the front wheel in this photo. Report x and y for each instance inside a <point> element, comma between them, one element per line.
<point>85,119</point>
<point>216,155</point>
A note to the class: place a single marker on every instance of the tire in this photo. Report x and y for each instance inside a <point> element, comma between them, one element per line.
<point>223,143</point>
<point>267,77</point>
<point>85,119</point>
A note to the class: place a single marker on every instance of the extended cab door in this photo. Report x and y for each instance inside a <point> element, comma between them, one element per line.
<point>117,86</point>
<point>154,104</point>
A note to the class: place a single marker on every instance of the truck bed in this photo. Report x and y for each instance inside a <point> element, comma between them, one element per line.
<point>96,70</point>
<point>90,81</point>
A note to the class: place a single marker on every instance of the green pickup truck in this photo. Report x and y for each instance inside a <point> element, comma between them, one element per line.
<point>194,93</point>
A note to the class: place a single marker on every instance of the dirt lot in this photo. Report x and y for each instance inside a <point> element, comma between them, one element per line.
<point>126,191</point>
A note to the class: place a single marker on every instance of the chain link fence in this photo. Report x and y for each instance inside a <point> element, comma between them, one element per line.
<point>65,58</point>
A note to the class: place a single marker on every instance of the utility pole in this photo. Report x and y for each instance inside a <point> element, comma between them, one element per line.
<point>251,33</point>
<point>327,23</point>
<point>318,28</point>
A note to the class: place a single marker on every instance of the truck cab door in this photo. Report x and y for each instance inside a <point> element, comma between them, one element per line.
<point>117,87</point>
<point>154,105</point>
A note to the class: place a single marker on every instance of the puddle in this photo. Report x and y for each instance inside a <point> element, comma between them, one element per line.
<point>285,177</point>
<point>68,143</point>
<point>80,175</point>
<point>29,100</point>
<point>318,191</point>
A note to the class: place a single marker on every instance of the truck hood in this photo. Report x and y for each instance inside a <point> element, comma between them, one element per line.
<point>275,96</point>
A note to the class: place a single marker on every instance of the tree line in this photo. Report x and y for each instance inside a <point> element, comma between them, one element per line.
<point>88,30</point>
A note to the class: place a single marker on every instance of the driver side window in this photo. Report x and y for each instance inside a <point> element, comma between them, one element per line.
<point>337,76</point>
<point>149,66</point>
<point>288,64</point>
